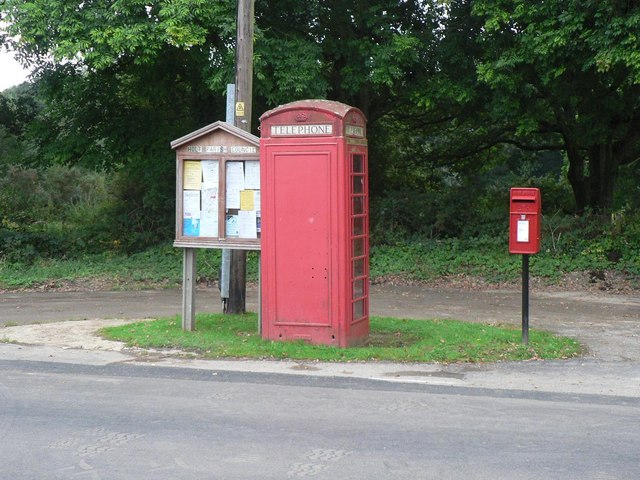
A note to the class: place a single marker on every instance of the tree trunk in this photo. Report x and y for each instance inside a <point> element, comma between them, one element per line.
<point>576,176</point>
<point>603,172</point>
<point>594,190</point>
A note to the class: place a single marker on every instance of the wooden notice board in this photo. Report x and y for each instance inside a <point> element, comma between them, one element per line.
<point>218,189</point>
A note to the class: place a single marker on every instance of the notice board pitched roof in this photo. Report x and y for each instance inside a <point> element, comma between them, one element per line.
<point>219,125</point>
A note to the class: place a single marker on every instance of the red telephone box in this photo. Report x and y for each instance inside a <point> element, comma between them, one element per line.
<point>315,223</point>
<point>525,208</point>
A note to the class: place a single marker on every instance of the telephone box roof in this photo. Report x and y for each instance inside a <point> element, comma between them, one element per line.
<point>338,109</point>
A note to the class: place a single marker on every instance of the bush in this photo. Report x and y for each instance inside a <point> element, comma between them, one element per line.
<point>466,205</point>
<point>22,198</point>
<point>50,213</point>
<point>26,247</point>
<point>142,213</point>
<point>84,211</point>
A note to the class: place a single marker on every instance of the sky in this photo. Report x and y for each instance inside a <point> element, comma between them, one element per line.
<point>11,73</point>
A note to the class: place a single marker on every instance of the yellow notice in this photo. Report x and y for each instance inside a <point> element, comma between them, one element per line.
<point>192,178</point>
<point>247,200</point>
<point>239,109</point>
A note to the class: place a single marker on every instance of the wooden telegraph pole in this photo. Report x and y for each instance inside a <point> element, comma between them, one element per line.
<point>244,87</point>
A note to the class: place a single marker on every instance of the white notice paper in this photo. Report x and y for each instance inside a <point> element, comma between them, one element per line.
<point>209,221</point>
<point>252,175</point>
<point>209,174</point>
<point>210,200</point>
<point>522,234</point>
<point>191,204</point>
<point>209,225</point>
<point>247,224</point>
<point>235,183</point>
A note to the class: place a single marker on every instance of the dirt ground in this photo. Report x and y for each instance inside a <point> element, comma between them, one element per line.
<point>607,323</point>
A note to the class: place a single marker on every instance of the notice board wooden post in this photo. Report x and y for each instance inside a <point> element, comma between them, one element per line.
<point>217,198</point>
<point>189,289</point>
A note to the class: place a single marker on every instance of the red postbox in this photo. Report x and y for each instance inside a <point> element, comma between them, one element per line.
<point>315,223</point>
<point>525,208</point>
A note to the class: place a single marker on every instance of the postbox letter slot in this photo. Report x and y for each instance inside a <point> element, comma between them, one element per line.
<point>523,199</point>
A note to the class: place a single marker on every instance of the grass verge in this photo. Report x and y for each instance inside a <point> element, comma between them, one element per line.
<point>395,340</point>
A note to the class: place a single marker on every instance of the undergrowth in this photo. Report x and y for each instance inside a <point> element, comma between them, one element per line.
<point>486,258</point>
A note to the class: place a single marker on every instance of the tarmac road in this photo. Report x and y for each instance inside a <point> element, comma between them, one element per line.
<point>136,420</point>
<point>609,325</point>
<point>75,406</point>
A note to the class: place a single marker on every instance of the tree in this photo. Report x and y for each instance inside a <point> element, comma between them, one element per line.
<point>566,75</point>
<point>364,53</point>
<point>369,54</point>
<point>112,67</point>
<point>444,84</point>
<point>551,76</point>
<point>118,81</point>
<point>19,106</point>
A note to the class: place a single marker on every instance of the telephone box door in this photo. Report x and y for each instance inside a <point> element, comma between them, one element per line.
<point>301,221</point>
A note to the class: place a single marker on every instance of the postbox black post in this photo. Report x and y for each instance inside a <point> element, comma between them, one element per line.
<point>525,299</point>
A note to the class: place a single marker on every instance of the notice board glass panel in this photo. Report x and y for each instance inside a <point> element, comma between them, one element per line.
<point>242,199</point>
<point>200,198</point>
<point>201,202</point>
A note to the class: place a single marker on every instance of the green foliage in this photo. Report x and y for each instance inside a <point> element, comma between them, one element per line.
<point>156,267</point>
<point>50,213</point>
<point>20,247</point>
<point>19,105</point>
<point>567,72</point>
<point>143,211</point>
<point>288,69</point>
<point>360,52</point>
<point>22,198</point>
<point>569,244</point>
<point>486,258</point>
<point>12,150</point>
<point>116,83</point>
<point>397,340</point>
<point>592,243</point>
<point>464,100</point>
<point>100,35</point>
<point>31,259</point>
<point>442,202</point>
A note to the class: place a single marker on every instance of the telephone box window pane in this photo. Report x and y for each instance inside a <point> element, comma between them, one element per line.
<point>358,205</point>
<point>358,288</point>
<point>358,184</point>
<point>358,226</point>
<point>358,247</point>
<point>358,309</point>
<point>358,267</point>
<point>358,164</point>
